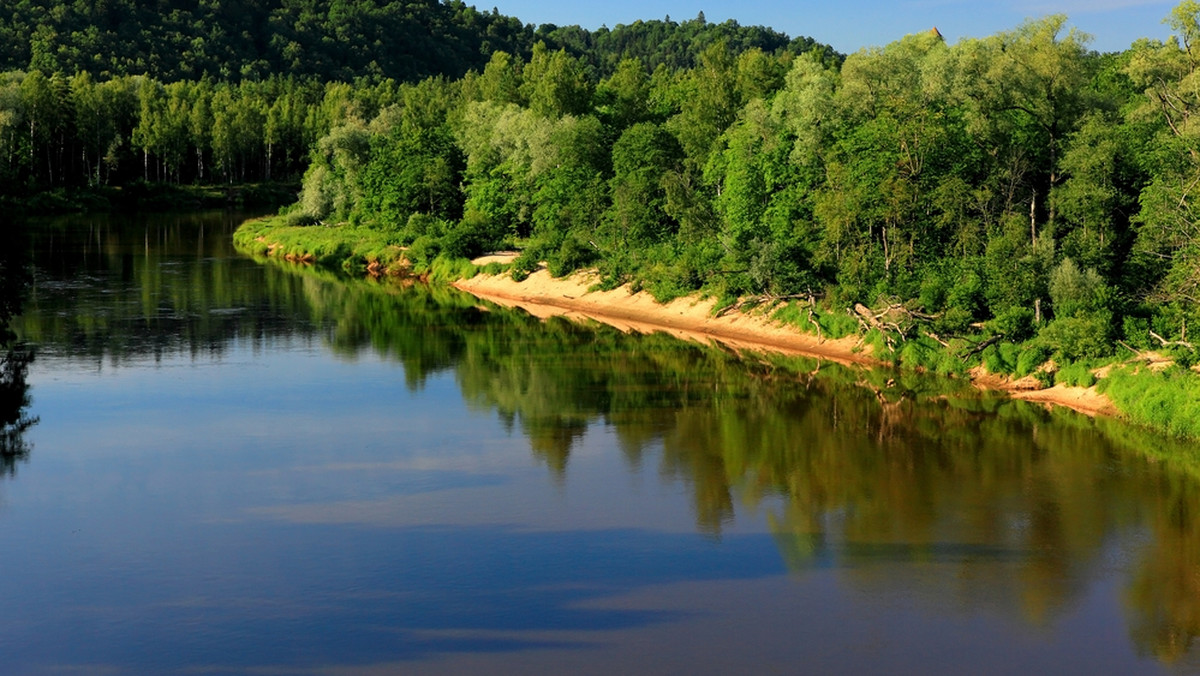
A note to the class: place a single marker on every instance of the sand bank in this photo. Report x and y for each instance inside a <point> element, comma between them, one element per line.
<point>691,318</point>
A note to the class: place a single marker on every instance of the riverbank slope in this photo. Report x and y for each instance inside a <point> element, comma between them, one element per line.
<point>693,318</point>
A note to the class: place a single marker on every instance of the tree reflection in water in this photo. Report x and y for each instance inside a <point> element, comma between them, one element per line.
<point>869,470</point>
<point>14,356</point>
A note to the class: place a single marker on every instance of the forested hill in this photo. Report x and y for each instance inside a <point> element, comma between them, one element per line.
<point>343,40</point>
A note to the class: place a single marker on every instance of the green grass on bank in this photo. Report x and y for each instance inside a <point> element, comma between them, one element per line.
<point>1167,400</point>
<point>351,248</point>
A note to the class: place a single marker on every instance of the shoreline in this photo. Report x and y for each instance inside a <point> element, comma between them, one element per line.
<point>691,318</point>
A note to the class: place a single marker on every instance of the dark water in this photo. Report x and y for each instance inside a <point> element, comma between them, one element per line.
<point>241,467</point>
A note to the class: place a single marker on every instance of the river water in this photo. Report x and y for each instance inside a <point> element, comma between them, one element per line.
<point>241,466</point>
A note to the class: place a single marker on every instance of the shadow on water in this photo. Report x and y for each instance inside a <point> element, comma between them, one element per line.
<point>866,472</point>
<point>15,356</point>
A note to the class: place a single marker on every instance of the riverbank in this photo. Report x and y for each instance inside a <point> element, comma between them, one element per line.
<point>368,251</point>
<point>692,318</point>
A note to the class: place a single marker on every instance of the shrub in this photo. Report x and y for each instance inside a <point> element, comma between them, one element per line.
<point>948,364</point>
<point>1076,374</point>
<point>1015,324</point>
<point>1001,358</point>
<point>422,251</point>
<point>1073,290</point>
<point>1033,355</point>
<point>570,256</point>
<point>1136,331</point>
<point>1082,336</point>
<point>837,324</point>
<point>918,353</point>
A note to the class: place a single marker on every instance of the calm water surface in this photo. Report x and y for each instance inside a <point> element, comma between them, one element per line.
<point>244,467</point>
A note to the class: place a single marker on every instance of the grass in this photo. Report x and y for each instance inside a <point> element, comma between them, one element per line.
<point>1166,400</point>
<point>351,248</point>
<point>1077,374</point>
<point>833,324</point>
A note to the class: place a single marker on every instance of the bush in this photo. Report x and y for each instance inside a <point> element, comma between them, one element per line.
<point>1083,336</point>
<point>463,242</point>
<point>837,324</point>
<point>299,219</point>
<point>1015,324</point>
<point>1073,290</point>
<point>948,364</point>
<point>1136,331</point>
<point>917,353</point>
<point>573,254</point>
<point>524,265</point>
<point>667,281</point>
<point>1076,374</point>
<point>423,224</point>
<point>422,251</point>
<point>1031,357</point>
<point>1001,358</point>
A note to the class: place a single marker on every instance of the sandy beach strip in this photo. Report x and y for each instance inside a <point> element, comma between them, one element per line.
<point>691,318</point>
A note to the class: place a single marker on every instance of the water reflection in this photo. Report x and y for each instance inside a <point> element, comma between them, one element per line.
<point>1017,509</point>
<point>862,470</point>
<point>15,357</point>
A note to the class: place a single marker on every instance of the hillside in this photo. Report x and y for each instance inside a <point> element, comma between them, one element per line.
<point>328,40</point>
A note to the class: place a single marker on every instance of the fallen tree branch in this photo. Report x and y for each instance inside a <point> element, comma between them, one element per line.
<point>980,347</point>
<point>938,340</point>
<point>1171,343</point>
<point>752,301</point>
<point>1137,353</point>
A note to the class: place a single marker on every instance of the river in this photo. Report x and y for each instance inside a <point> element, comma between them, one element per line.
<point>238,466</point>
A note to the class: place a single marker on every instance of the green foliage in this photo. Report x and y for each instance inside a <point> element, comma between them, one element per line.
<point>346,247</point>
<point>422,251</point>
<point>1081,336</point>
<point>1032,355</point>
<point>1002,358</point>
<point>1016,186</point>
<point>837,324</point>
<point>1015,324</point>
<point>1075,374</point>
<point>920,353</point>
<point>1167,400</point>
<point>525,264</point>
<point>1074,291</point>
<point>573,254</point>
<point>447,268</point>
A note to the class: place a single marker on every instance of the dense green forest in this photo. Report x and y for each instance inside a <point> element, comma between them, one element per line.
<point>116,93</point>
<point>329,40</point>
<point>1014,198</point>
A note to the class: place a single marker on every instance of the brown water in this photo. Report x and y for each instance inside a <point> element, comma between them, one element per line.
<point>241,467</point>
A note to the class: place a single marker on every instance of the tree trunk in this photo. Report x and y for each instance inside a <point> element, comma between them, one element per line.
<point>1033,220</point>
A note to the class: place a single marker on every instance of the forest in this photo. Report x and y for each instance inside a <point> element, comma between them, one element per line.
<point>1018,186</point>
<point>116,93</point>
<point>1018,199</point>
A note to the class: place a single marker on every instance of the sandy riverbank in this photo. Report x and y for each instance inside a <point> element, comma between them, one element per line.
<point>691,318</point>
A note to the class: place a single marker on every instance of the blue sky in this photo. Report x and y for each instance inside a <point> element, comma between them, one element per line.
<point>853,24</point>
